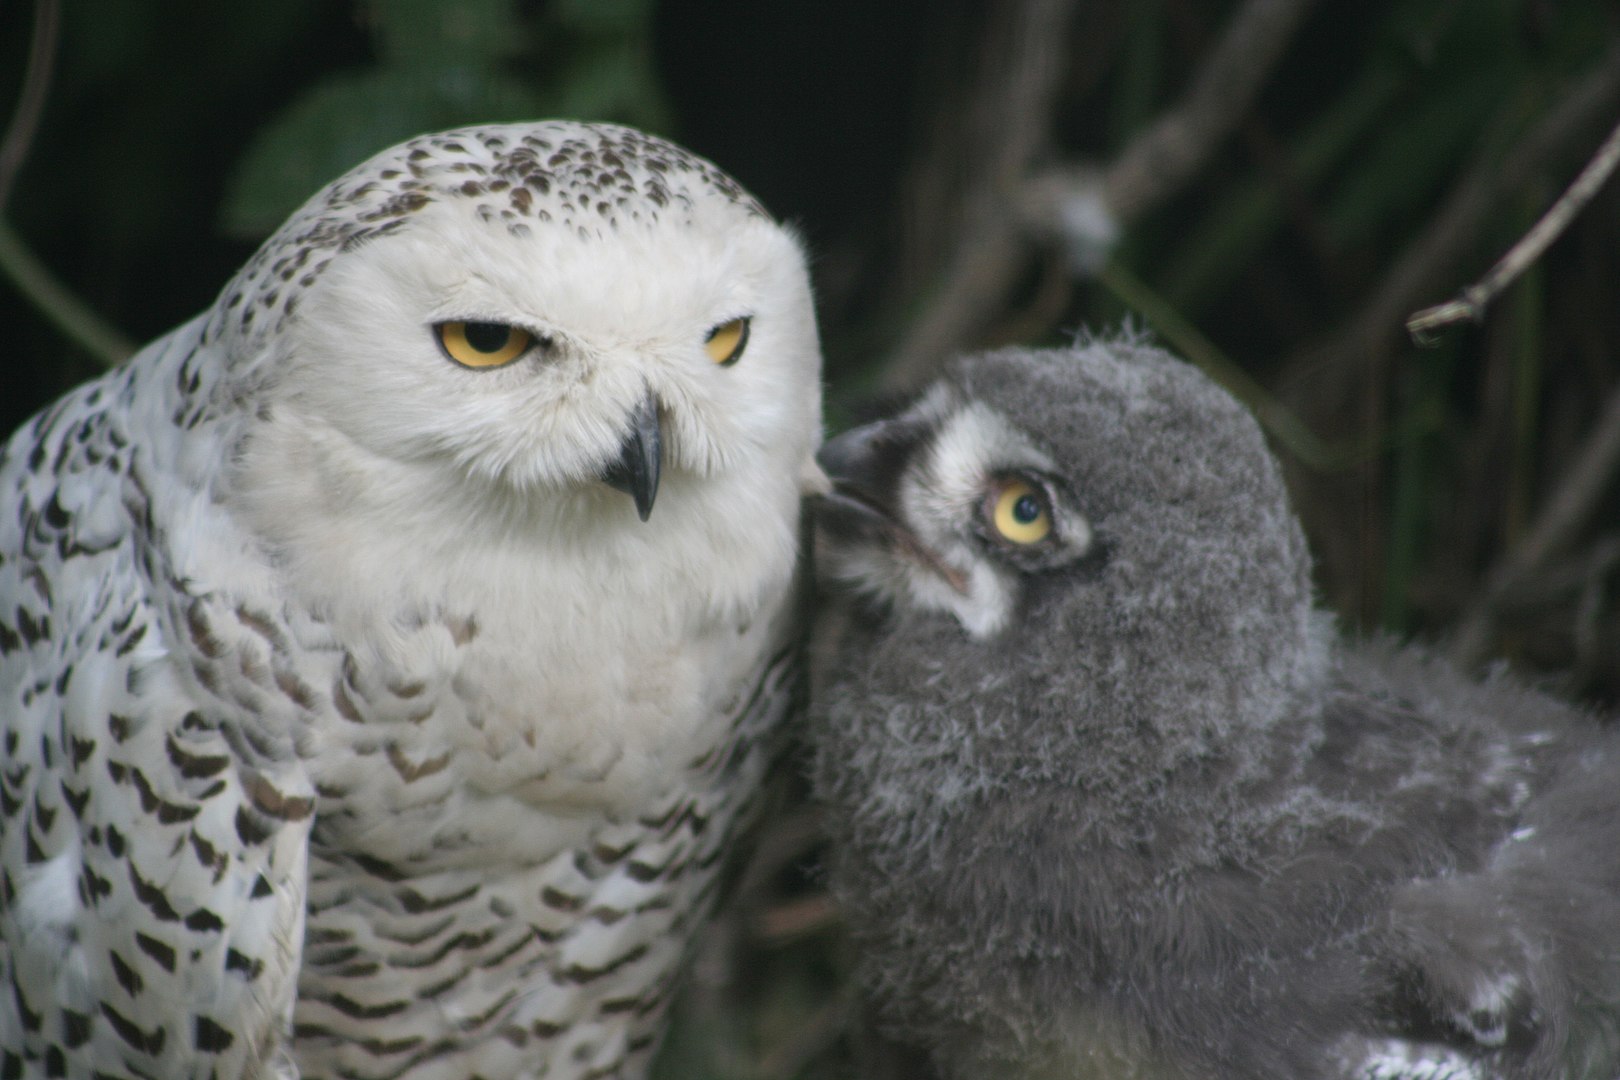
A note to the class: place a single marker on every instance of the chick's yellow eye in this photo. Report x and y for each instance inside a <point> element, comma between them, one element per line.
<point>1021,514</point>
<point>726,342</point>
<point>482,344</point>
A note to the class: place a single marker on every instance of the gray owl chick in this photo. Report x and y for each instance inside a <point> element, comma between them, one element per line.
<point>1108,798</point>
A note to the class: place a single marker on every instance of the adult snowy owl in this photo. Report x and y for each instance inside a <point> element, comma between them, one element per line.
<point>363,714</point>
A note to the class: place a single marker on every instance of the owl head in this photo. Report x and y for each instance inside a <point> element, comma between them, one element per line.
<point>532,319</point>
<point>1076,566</point>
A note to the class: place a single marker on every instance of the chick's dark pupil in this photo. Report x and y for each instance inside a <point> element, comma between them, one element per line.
<point>488,336</point>
<point>1026,509</point>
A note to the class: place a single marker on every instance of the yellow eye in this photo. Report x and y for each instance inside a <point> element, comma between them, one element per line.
<point>1021,514</point>
<point>482,344</point>
<point>726,342</point>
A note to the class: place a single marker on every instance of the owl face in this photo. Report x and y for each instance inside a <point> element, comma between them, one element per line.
<point>1120,478</point>
<point>553,361</point>
<point>552,309</point>
<point>1067,550</point>
<point>949,507</point>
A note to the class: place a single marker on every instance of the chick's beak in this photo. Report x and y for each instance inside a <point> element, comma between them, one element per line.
<point>864,467</point>
<point>635,471</point>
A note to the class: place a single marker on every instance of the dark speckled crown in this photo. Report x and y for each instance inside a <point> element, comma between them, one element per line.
<point>591,179</point>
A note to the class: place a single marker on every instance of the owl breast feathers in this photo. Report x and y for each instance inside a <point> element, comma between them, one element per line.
<point>389,654</point>
<point>1109,797</point>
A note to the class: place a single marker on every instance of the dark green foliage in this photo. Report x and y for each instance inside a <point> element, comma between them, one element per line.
<point>443,65</point>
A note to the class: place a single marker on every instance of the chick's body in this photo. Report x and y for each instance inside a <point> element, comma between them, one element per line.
<point>1115,801</point>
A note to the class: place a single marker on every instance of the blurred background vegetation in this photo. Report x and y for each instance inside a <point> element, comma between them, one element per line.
<point>1269,186</point>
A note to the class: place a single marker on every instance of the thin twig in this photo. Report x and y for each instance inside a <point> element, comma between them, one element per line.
<point>1161,160</point>
<point>1084,207</point>
<point>1340,381</point>
<point>1471,303</point>
<point>1329,375</point>
<point>1007,123</point>
<point>1088,209</point>
<point>57,303</point>
<point>1559,578</point>
<point>31,101</point>
<point>19,265</point>
<point>1571,504</point>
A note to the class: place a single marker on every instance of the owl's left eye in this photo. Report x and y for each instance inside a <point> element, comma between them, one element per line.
<point>482,344</point>
<point>726,342</point>
<point>1019,512</point>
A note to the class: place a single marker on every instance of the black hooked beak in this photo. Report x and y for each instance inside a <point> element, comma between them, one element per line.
<point>636,471</point>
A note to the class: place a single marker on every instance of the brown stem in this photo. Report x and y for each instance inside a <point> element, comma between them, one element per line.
<point>1470,305</point>
<point>1329,376</point>
<point>31,102</point>
<point>1161,160</point>
<point>1006,124</point>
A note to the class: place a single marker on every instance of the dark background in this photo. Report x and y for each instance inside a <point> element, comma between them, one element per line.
<point>1391,151</point>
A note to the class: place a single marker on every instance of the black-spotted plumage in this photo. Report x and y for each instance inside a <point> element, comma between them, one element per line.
<point>354,724</point>
<point>1108,797</point>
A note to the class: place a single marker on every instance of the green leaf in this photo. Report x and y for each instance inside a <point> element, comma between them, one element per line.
<point>631,17</point>
<point>615,82</point>
<point>347,119</point>
<point>467,32</point>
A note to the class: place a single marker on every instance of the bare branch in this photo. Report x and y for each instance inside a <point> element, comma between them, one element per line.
<point>1328,376</point>
<point>1087,208</point>
<point>57,303</point>
<point>1472,302</point>
<point>977,277</point>
<point>1163,158</point>
<point>17,264</point>
<point>31,102</point>
<point>1007,123</point>
<point>1084,207</point>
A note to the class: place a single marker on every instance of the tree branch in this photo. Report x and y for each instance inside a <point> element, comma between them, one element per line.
<point>1087,208</point>
<point>1328,376</point>
<point>1160,161</point>
<point>1008,117</point>
<point>1471,303</point>
<point>1083,207</point>
<point>57,303</point>
<point>19,265</point>
<point>31,102</point>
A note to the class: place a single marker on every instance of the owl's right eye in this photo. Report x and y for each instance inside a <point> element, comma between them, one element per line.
<point>482,344</point>
<point>726,342</point>
<point>1019,512</point>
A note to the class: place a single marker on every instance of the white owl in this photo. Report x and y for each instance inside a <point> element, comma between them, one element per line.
<point>362,714</point>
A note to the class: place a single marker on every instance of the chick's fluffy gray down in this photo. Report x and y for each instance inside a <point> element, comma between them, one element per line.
<point>1129,808</point>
